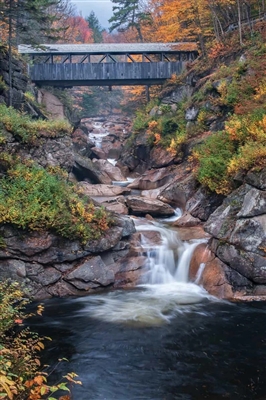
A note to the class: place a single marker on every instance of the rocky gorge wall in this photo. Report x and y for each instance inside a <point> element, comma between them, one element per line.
<point>48,265</point>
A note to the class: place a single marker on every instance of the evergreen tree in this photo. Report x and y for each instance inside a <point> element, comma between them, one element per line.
<point>128,14</point>
<point>27,21</point>
<point>96,28</point>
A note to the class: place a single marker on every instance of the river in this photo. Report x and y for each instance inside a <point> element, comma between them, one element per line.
<point>211,350</point>
<point>167,339</point>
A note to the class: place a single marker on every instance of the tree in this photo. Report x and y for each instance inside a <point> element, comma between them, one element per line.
<point>128,14</point>
<point>94,25</point>
<point>27,21</point>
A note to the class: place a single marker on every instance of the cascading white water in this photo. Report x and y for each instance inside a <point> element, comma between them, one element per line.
<point>98,133</point>
<point>168,261</point>
<point>165,288</point>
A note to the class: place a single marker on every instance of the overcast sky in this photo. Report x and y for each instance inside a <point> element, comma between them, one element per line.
<point>102,9</point>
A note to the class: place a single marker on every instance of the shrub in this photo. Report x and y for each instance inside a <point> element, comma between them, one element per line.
<point>28,130</point>
<point>167,126</point>
<point>140,122</point>
<point>3,85</point>
<point>21,375</point>
<point>213,157</point>
<point>31,198</point>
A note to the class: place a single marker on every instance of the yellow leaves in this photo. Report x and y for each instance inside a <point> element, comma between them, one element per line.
<point>261,91</point>
<point>39,346</point>
<point>6,384</point>
<point>40,309</point>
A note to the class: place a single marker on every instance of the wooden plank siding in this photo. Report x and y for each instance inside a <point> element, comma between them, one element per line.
<point>104,74</point>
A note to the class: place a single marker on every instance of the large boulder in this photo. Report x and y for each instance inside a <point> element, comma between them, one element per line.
<point>86,168</point>
<point>153,179</point>
<point>140,206</point>
<point>179,190</point>
<point>238,228</point>
<point>112,171</point>
<point>100,190</point>
<point>115,204</point>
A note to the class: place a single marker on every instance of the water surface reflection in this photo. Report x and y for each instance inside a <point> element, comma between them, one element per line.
<point>207,350</point>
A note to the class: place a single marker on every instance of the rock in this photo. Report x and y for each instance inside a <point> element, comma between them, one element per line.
<point>254,203</point>
<point>250,235</point>
<point>115,204</point>
<point>90,274</point>
<point>140,206</point>
<point>102,190</point>
<point>257,179</point>
<point>85,168</point>
<point>129,272</point>
<point>45,248</point>
<point>153,179</point>
<point>113,172</point>
<point>248,264</point>
<point>240,233</point>
<point>126,224</point>
<point>194,232</point>
<point>53,152</point>
<point>107,241</point>
<point>160,157</point>
<point>178,94</point>
<point>203,203</point>
<point>136,157</point>
<point>98,153</point>
<point>186,220</point>
<point>52,104</point>
<point>192,113</point>
<point>201,255</point>
<point>111,146</point>
<point>12,269</point>
<point>222,221</point>
<point>179,190</point>
<point>214,280</point>
<point>82,145</point>
<point>44,276</point>
<point>60,289</point>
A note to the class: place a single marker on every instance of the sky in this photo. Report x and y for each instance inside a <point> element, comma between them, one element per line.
<point>102,9</point>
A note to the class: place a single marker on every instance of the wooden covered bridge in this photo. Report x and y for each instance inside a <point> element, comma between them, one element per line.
<point>112,64</point>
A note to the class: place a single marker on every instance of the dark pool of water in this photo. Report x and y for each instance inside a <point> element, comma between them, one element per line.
<point>212,350</point>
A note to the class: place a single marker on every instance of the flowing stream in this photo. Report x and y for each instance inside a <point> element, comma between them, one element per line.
<point>167,339</point>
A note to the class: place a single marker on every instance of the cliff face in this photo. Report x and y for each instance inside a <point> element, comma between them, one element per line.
<point>207,135</point>
<point>44,262</point>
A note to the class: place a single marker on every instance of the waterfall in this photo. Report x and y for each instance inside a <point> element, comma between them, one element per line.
<point>98,133</point>
<point>168,261</point>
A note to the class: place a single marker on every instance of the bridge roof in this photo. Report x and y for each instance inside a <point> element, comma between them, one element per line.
<point>111,48</point>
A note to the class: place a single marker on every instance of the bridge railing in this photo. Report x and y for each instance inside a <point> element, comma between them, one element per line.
<point>104,73</point>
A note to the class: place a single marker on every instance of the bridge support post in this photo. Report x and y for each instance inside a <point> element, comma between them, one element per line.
<point>147,90</point>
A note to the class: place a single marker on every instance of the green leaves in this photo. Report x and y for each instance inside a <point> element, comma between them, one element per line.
<point>32,198</point>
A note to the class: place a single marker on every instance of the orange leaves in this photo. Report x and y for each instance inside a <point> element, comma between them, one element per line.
<point>76,29</point>
<point>153,125</point>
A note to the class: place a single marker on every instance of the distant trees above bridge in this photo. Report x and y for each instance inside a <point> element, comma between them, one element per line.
<point>177,20</point>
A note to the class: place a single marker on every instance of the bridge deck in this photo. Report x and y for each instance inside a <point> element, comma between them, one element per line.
<point>109,64</point>
<point>104,74</point>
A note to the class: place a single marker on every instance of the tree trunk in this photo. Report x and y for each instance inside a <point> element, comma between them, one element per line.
<point>239,22</point>
<point>10,52</point>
